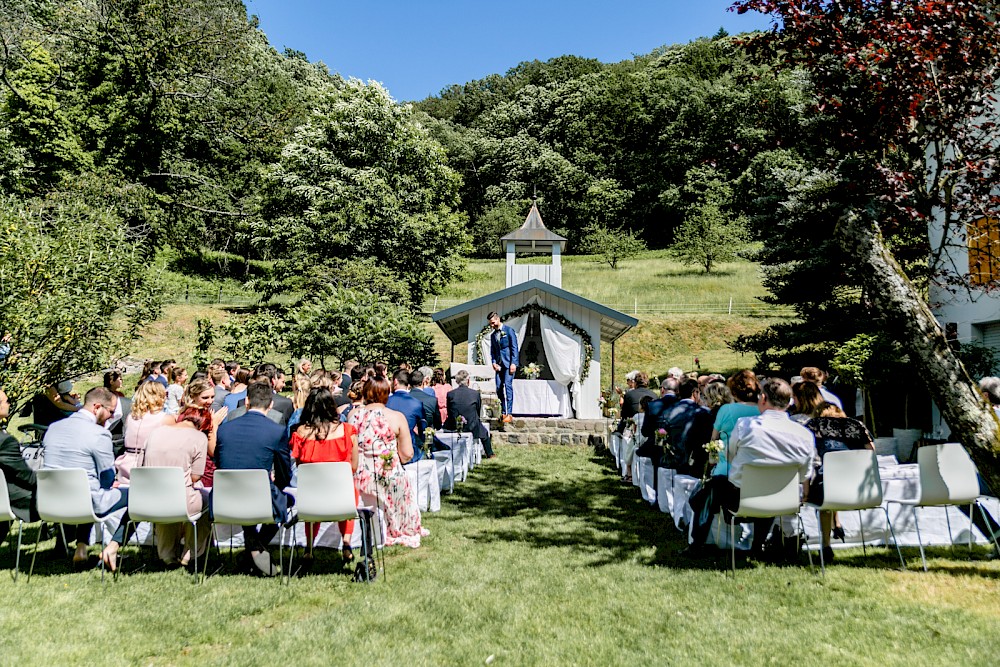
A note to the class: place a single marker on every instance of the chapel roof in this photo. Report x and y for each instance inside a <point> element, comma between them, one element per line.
<point>533,235</point>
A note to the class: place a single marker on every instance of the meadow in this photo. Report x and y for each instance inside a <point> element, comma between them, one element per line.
<point>543,557</point>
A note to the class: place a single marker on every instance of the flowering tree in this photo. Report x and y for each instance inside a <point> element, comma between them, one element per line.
<point>906,89</point>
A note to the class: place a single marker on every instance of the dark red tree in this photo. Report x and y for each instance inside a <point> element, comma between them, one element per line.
<point>907,88</point>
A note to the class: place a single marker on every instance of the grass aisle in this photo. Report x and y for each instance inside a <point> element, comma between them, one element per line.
<point>542,557</point>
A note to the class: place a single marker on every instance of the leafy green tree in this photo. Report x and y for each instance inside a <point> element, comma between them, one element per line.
<point>496,222</point>
<point>711,233</point>
<point>346,324</point>
<point>611,245</point>
<point>251,338</point>
<point>76,290</point>
<point>362,179</point>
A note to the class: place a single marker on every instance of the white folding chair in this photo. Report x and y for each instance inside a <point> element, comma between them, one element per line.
<point>158,495</point>
<point>947,477</point>
<point>6,512</point>
<point>326,493</point>
<point>851,482</point>
<point>63,496</point>
<point>767,491</point>
<point>243,498</point>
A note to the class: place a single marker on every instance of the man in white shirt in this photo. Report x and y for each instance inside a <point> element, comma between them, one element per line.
<point>771,437</point>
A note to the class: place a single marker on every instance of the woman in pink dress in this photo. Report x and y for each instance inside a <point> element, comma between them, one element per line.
<point>441,389</point>
<point>384,444</point>
<point>147,414</point>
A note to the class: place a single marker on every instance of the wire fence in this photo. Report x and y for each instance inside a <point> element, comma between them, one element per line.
<point>220,296</point>
<point>731,307</point>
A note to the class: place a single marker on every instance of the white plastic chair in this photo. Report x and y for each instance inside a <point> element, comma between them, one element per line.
<point>947,477</point>
<point>767,491</point>
<point>326,493</point>
<point>159,495</point>
<point>63,496</point>
<point>243,498</point>
<point>7,512</point>
<point>851,481</point>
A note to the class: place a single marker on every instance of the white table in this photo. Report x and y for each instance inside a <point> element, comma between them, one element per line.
<point>542,398</point>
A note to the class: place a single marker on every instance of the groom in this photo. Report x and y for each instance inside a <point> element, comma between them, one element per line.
<point>503,354</point>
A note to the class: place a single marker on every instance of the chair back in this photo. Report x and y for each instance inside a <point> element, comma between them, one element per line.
<point>64,496</point>
<point>947,475</point>
<point>851,480</point>
<point>769,490</point>
<point>326,492</point>
<point>242,497</point>
<point>481,376</point>
<point>157,495</point>
<point>5,508</point>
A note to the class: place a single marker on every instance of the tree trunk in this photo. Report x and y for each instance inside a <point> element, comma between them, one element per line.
<point>907,317</point>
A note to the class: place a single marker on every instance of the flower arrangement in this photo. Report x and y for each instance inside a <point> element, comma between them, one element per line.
<point>460,423</point>
<point>661,436</point>
<point>532,371</point>
<point>384,470</point>
<point>428,440</point>
<point>714,448</point>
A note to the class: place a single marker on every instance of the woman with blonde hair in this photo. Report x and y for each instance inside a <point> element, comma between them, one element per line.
<point>199,395</point>
<point>147,414</point>
<point>301,386</point>
<point>808,401</point>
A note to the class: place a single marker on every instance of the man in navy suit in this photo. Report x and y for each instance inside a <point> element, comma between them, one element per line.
<point>504,355</point>
<point>466,402</point>
<point>254,442</point>
<point>412,409</point>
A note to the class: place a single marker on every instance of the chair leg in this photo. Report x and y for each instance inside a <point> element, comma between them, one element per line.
<point>35,553</point>
<point>861,524</point>
<point>17,554</point>
<point>805,538</point>
<point>822,560</point>
<point>947,519</point>
<point>194,550</point>
<point>982,513</point>
<point>920,541</point>
<point>732,541</point>
<point>893,533</point>
<point>121,558</point>
<point>62,531</point>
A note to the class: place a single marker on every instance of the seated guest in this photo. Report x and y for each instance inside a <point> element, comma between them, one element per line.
<point>220,380</point>
<point>808,400</point>
<point>301,386</point>
<point>418,383</point>
<point>466,402</point>
<point>272,414</point>
<point>238,391</point>
<point>834,432</point>
<point>54,403</point>
<point>175,390</point>
<point>659,407</point>
<point>321,437</point>
<point>146,415</point>
<point>817,377</point>
<point>20,478</point>
<point>81,441</point>
<point>769,438</point>
<point>384,445</point>
<point>631,399</point>
<point>200,394</point>
<point>182,444</point>
<point>355,397</point>
<point>428,373</point>
<point>688,427</point>
<point>254,442</point>
<point>113,383</point>
<point>410,407</point>
<point>745,389</point>
<point>441,387</point>
<point>715,395</point>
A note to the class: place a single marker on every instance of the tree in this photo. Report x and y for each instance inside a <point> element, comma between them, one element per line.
<point>611,245</point>
<point>347,324</point>
<point>907,90</point>
<point>76,290</point>
<point>710,233</point>
<point>362,179</point>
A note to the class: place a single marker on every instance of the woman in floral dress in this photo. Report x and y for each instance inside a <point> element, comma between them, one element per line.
<point>384,444</point>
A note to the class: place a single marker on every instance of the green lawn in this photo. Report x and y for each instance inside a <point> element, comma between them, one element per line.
<point>542,558</point>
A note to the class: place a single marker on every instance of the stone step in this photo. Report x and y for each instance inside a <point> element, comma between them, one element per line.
<point>548,431</point>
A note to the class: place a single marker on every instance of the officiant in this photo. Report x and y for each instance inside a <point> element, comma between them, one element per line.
<point>504,355</point>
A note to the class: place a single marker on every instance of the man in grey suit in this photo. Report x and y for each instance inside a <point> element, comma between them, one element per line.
<point>81,441</point>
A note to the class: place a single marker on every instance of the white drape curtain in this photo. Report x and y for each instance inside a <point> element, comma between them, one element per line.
<point>518,324</point>
<point>564,351</point>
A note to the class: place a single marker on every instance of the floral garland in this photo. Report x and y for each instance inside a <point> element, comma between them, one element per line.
<point>588,344</point>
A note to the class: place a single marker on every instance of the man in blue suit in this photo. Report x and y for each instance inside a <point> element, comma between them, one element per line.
<point>412,409</point>
<point>504,355</point>
<point>254,442</point>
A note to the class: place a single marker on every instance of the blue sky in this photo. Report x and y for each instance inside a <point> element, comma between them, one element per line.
<point>416,48</point>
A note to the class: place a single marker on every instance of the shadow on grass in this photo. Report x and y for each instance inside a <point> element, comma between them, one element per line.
<point>601,517</point>
<point>700,272</point>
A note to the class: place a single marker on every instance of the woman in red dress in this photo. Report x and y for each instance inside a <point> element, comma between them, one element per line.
<point>321,438</point>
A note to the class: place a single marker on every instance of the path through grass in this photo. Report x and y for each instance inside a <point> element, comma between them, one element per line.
<point>542,558</point>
